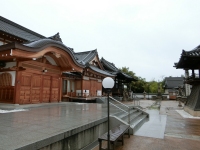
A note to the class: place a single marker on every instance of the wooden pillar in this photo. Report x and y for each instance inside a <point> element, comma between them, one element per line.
<point>17,88</point>
<point>61,88</point>
<point>199,73</point>
<point>50,99</point>
<point>187,86</point>
<point>193,75</point>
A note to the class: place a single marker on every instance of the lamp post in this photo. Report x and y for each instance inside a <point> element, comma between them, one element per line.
<point>148,91</point>
<point>108,84</point>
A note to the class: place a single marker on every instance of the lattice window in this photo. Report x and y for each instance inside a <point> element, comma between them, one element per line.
<point>5,79</point>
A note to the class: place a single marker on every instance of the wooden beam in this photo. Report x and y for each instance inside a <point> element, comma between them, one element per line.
<point>12,69</point>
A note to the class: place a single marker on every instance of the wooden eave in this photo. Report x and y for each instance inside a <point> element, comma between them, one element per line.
<point>189,62</point>
<point>61,57</point>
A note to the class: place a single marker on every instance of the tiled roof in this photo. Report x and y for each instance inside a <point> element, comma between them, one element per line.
<point>100,71</point>
<point>111,68</point>
<point>195,52</point>
<point>18,30</point>
<point>189,59</point>
<point>108,65</point>
<point>46,43</point>
<point>126,75</point>
<point>174,82</point>
<point>85,57</point>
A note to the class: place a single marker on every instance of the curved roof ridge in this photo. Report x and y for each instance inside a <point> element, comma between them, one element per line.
<point>85,51</point>
<point>86,56</point>
<point>193,52</point>
<point>45,41</point>
<point>96,69</point>
<point>89,54</point>
<point>39,45</point>
<point>109,64</point>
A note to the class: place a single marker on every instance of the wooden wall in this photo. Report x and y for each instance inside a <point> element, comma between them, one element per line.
<point>93,85</point>
<point>35,86</point>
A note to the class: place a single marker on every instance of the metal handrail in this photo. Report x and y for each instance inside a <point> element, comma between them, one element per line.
<point>122,109</point>
<point>118,107</point>
<point>118,101</point>
<point>135,96</point>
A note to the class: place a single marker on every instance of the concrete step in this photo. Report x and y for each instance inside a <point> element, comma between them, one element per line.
<point>133,116</point>
<point>138,122</point>
<point>123,115</point>
<point>137,116</point>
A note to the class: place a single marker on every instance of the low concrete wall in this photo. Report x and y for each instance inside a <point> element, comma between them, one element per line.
<point>74,139</point>
<point>150,95</point>
<point>192,112</point>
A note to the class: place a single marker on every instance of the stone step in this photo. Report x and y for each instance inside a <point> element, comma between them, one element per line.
<point>132,116</point>
<point>138,122</point>
<point>122,114</point>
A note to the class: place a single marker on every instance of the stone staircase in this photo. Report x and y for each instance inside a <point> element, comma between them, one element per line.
<point>137,118</point>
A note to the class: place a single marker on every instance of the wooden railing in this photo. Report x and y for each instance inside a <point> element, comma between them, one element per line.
<point>7,94</point>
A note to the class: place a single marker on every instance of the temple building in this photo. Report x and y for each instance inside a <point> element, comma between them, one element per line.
<point>39,69</point>
<point>190,60</point>
<point>121,79</point>
<point>171,86</point>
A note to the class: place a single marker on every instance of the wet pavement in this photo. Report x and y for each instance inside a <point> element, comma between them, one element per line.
<point>43,121</point>
<point>155,127</point>
<point>166,130</point>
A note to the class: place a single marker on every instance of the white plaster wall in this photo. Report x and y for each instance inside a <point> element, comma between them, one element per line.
<point>10,64</point>
<point>99,80</point>
<point>86,92</point>
<point>51,60</point>
<point>99,93</point>
<point>13,74</point>
<point>78,92</point>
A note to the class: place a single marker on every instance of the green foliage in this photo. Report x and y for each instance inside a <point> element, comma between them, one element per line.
<point>135,86</point>
<point>141,85</point>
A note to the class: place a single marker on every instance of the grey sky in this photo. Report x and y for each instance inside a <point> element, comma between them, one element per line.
<point>145,35</point>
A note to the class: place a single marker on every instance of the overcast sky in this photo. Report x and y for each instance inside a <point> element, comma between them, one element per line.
<point>145,35</point>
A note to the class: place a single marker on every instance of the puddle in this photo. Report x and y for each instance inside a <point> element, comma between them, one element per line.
<point>155,127</point>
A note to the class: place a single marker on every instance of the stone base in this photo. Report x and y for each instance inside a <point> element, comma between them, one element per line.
<point>192,112</point>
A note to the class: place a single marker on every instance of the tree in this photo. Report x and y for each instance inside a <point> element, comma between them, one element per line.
<point>135,86</point>
<point>141,85</point>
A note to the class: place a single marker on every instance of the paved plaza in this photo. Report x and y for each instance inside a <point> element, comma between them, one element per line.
<point>175,131</point>
<point>165,130</point>
<point>40,122</point>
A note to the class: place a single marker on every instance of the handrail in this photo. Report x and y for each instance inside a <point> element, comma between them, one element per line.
<point>122,109</point>
<point>118,101</point>
<point>118,107</point>
<point>135,96</point>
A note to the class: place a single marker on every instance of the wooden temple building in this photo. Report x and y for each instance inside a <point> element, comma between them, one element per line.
<point>190,60</point>
<point>39,69</point>
<point>120,79</point>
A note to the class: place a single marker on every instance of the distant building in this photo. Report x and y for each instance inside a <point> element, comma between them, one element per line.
<point>172,84</point>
